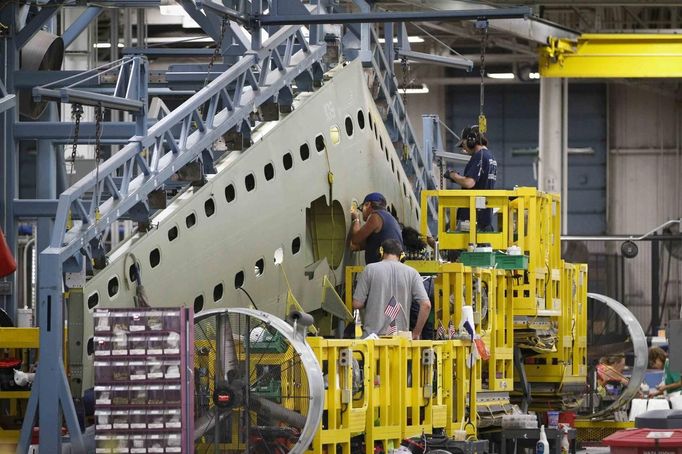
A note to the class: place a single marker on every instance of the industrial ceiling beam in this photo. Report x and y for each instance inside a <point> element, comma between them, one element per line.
<point>401,16</point>
<point>592,3</point>
<point>613,56</point>
<point>531,28</point>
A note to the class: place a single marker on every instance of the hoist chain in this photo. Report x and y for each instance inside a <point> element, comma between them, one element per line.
<point>214,57</point>
<point>405,67</point>
<point>76,114</point>
<point>98,153</point>
<point>482,123</point>
<point>217,50</point>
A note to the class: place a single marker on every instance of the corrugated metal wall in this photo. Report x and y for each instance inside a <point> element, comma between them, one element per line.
<point>513,118</point>
<point>645,173</point>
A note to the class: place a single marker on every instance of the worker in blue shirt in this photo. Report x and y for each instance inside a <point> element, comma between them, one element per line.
<point>479,173</point>
<point>379,226</point>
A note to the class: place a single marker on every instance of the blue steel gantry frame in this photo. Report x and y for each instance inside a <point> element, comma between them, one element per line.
<point>261,74</point>
<point>146,163</point>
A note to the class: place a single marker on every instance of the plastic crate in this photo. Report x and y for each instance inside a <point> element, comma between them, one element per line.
<point>269,343</point>
<point>511,262</point>
<point>478,259</point>
<point>638,441</point>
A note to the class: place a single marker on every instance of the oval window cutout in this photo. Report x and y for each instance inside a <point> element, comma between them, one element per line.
<point>361,119</point>
<point>287,161</point>
<point>218,292</point>
<point>349,127</point>
<point>239,279</point>
<point>190,220</point>
<point>229,193</point>
<point>93,300</point>
<point>250,182</point>
<point>319,143</point>
<point>209,208</point>
<point>198,304</point>
<point>296,245</point>
<point>335,134</point>
<point>155,258</point>
<point>112,286</point>
<point>269,171</point>
<point>304,151</point>
<point>259,268</point>
<point>172,233</point>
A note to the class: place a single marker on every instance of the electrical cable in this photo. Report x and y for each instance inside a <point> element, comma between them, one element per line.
<point>249,296</point>
<point>437,40</point>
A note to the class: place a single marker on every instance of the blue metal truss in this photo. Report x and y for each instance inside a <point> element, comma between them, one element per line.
<point>7,101</point>
<point>145,163</point>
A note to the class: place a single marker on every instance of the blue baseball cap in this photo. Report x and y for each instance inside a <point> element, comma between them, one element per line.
<point>374,197</point>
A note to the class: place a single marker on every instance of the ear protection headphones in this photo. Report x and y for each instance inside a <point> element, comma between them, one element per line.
<point>401,258</point>
<point>473,138</point>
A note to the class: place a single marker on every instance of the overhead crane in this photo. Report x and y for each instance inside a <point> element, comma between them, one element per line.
<point>607,55</point>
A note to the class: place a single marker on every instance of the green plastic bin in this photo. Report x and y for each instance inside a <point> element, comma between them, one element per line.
<point>511,262</point>
<point>478,259</point>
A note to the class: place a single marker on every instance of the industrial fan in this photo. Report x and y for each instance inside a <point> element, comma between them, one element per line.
<point>613,334</point>
<point>258,385</point>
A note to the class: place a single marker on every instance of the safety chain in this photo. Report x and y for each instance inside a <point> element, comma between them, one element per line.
<point>214,57</point>
<point>98,153</point>
<point>76,114</point>
<point>405,67</point>
<point>217,50</point>
<point>482,122</point>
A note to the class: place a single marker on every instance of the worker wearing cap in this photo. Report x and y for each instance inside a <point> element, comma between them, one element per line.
<point>379,226</point>
<point>479,173</point>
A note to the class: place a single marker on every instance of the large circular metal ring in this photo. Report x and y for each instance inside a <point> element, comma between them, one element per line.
<point>640,350</point>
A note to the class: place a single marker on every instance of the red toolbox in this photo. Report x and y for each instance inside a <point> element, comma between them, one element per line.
<point>645,441</point>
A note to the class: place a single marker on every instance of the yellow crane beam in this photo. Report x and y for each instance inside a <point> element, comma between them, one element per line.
<point>613,56</point>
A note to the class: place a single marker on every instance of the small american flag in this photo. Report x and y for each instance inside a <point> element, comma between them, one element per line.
<point>392,308</point>
<point>440,332</point>
<point>469,329</point>
<point>392,329</point>
<point>451,330</point>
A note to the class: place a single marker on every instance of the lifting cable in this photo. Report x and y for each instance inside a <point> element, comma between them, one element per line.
<point>214,56</point>
<point>482,121</point>
<point>405,67</point>
<point>76,114</point>
<point>98,156</point>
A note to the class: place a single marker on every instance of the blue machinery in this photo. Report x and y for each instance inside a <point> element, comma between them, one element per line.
<point>120,186</point>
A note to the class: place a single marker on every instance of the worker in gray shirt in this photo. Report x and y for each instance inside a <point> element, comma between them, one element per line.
<point>386,289</point>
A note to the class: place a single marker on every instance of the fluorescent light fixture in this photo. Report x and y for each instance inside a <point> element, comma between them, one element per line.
<point>508,76</point>
<point>534,75</point>
<point>171,10</point>
<point>176,39</point>
<point>415,90</point>
<point>106,45</point>
<point>177,10</point>
<point>410,39</point>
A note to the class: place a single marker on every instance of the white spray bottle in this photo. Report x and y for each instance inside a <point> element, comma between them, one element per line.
<point>542,446</point>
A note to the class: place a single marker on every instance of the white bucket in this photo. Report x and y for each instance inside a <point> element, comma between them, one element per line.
<point>24,317</point>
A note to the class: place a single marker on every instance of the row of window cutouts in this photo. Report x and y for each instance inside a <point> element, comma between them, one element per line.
<point>230,195</point>
<point>259,269</point>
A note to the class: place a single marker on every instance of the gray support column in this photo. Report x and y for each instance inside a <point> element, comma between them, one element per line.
<point>553,146</point>
<point>46,183</point>
<point>9,62</point>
